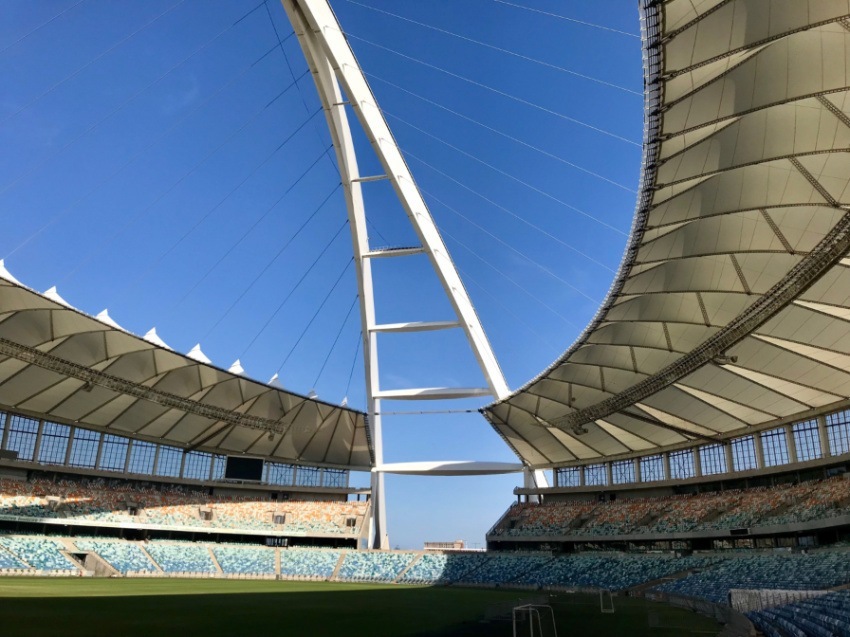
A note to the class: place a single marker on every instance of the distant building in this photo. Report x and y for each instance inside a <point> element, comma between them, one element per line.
<point>457,545</point>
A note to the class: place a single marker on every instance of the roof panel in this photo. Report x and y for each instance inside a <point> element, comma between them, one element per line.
<point>74,368</point>
<point>745,168</point>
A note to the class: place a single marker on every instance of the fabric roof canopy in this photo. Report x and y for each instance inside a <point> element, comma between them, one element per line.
<point>61,364</point>
<point>731,309</point>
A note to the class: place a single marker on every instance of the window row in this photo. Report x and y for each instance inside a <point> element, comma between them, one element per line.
<point>801,442</point>
<point>51,443</point>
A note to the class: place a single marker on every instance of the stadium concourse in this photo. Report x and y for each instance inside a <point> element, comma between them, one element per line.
<point>692,446</point>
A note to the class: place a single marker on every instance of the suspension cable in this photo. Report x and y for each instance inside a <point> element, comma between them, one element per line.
<point>354,361</point>
<point>313,318</point>
<point>43,24</point>
<point>136,155</point>
<point>259,220</point>
<point>522,182</point>
<point>499,206</point>
<point>505,307</point>
<point>500,49</point>
<point>292,74</point>
<point>563,17</point>
<point>503,134</point>
<point>333,345</point>
<point>171,188</point>
<point>517,284</point>
<point>123,104</point>
<point>209,212</point>
<point>520,100</point>
<point>90,62</point>
<point>292,291</point>
<point>274,259</point>
<point>509,246</point>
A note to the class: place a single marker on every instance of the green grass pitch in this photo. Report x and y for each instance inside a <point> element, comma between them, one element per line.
<point>165,607</point>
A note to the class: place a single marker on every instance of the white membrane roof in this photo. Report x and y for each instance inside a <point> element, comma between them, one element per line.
<point>731,309</point>
<point>61,364</point>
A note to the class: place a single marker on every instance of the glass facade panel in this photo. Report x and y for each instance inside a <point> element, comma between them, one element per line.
<point>838,432</point>
<point>713,459</point>
<point>807,440</point>
<point>744,453</point>
<point>774,446</point>
<point>308,477</point>
<point>142,455</point>
<point>569,476</point>
<point>623,471</point>
<point>219,464</point>
<point>22,435</point>
<point>652,468</point>
<point>197,466</point>
<point>84,448</point>
<point>335,478</point>
<point>54,443</point>
<point>596,475</point>
<point>113,454</point>
<point>168,464</point>
<point>277,473</point>
<point>682,465</point>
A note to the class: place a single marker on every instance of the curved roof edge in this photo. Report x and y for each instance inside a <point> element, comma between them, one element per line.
<point>650,26</point>
<point>731,306</point>
<point>69,366</point>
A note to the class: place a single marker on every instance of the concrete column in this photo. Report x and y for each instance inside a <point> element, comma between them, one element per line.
<point>759,450</point>
<point>7,419</point>
<point>99,451</point>
<point>697,463</point>
<point>789,442</point>
<point>70,445</point>
<point>127,459</point>
<point>824,437</point>
<point>37,447</point>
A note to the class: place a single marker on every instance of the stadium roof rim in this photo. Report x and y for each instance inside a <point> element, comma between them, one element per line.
<point>737,248</point>
<point>68,366</point>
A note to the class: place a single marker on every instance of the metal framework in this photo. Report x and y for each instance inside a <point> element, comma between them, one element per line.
<point>729,313</point>
<point>340,83</point>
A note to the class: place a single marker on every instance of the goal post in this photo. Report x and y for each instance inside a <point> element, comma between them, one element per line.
<point>606,601</point>
<point>530,614</point>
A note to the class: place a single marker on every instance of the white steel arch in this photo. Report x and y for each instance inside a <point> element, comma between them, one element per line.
<point>338,76</point>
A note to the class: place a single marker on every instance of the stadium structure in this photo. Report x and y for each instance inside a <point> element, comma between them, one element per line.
<point>697,433</point>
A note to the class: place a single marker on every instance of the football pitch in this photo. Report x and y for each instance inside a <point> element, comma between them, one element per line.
<point>165,607</point>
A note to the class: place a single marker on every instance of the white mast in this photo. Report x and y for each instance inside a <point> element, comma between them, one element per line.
<point>336,73</point>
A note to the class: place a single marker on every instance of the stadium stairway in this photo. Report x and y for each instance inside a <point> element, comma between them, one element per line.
<point>91,563</point>
<point>335,575</point>
<point>158,568</point>
<point>639,589</point>
<point>415,559</point>
<point>461,580</point>
<point>10,556</point>
<point>214,559</point>
<point>277,562</point>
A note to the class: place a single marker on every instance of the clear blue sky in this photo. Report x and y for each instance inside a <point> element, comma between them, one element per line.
<point>156,158</point>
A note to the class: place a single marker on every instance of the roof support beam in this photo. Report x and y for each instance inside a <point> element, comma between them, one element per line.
<point>433,393</point>
<point>114,383</point>
<point>663,425</point>
<point>801,277</point>
<point>415,326</point>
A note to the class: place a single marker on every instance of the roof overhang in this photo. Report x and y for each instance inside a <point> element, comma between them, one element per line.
<point>61,364</point>
<point>731,308</point>
<point>450,468</point>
